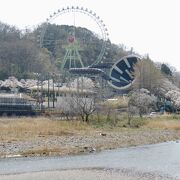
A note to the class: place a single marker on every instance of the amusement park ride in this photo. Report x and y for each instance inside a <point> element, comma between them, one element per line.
<point>120,74</point>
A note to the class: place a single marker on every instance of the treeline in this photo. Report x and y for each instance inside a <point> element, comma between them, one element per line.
<point>21,55</point>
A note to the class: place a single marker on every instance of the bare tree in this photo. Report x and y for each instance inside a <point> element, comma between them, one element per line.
<point>76,103</point>
<point>132,110</point>
<point>147,76</point>
<point>176,76</point>
<point>84,106</point>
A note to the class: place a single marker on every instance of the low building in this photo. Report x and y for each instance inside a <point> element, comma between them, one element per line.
<point>16,104</point>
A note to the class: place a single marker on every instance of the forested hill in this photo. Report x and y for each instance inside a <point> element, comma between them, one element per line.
<point>22,57</point>
<point>90,44</point>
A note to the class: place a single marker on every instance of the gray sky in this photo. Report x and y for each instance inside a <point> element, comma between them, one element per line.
<point>149,26</point>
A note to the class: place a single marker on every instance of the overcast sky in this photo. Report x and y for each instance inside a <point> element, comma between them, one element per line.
<point>149,26</point>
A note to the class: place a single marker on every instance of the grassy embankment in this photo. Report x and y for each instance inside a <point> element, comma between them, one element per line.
<point>73,137</point>
<point>44,129</point>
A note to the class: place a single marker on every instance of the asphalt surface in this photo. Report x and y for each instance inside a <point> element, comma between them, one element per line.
<point>160,161</point>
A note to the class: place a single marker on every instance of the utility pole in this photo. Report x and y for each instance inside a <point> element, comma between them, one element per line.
<point>53,91</point>
<point>48,90</point>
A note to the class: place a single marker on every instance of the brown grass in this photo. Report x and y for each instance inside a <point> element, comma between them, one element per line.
<point>120,102</point>
<point>173,125</point>
<point>164,122</point>
<point>41,128</point>
<point>46,151</point>
<point>26,128</point>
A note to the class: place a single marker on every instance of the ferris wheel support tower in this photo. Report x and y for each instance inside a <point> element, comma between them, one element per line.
<point>72,57</point>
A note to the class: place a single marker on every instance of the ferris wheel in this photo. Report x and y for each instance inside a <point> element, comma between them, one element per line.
<point>86,37</point>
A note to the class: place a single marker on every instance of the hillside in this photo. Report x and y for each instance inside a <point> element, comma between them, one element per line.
<point>90,44</point>
<point>22,57</point>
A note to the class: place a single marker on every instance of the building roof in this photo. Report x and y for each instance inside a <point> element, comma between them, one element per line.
<point>19,95</point>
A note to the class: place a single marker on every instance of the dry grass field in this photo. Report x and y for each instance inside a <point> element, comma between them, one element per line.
<point>164,122</point>
<point>27,128</point>
<point>42,136</point>
<point>117,102</point>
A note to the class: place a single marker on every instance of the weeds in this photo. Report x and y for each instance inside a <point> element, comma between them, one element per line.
<point>27,128</point>
<point>119,102</point>
<point>118,133</point>
<point>164,124</point>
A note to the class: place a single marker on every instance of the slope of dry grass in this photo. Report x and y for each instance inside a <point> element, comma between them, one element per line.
<point>27,127</point>
<point>44,136</point>
<point>164,122</point>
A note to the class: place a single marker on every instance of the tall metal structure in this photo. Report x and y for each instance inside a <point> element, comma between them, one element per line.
<point>72,57</point>
<point>121,73</point>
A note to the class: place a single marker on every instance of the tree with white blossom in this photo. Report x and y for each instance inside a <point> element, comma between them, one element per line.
<point>142,102</point>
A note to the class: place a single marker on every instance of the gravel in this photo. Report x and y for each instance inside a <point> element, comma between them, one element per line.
<point>84,144</point>
<point>73,144</point>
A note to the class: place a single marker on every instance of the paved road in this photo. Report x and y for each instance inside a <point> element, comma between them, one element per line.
<point>152,161</point>
<point>71,175</point>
